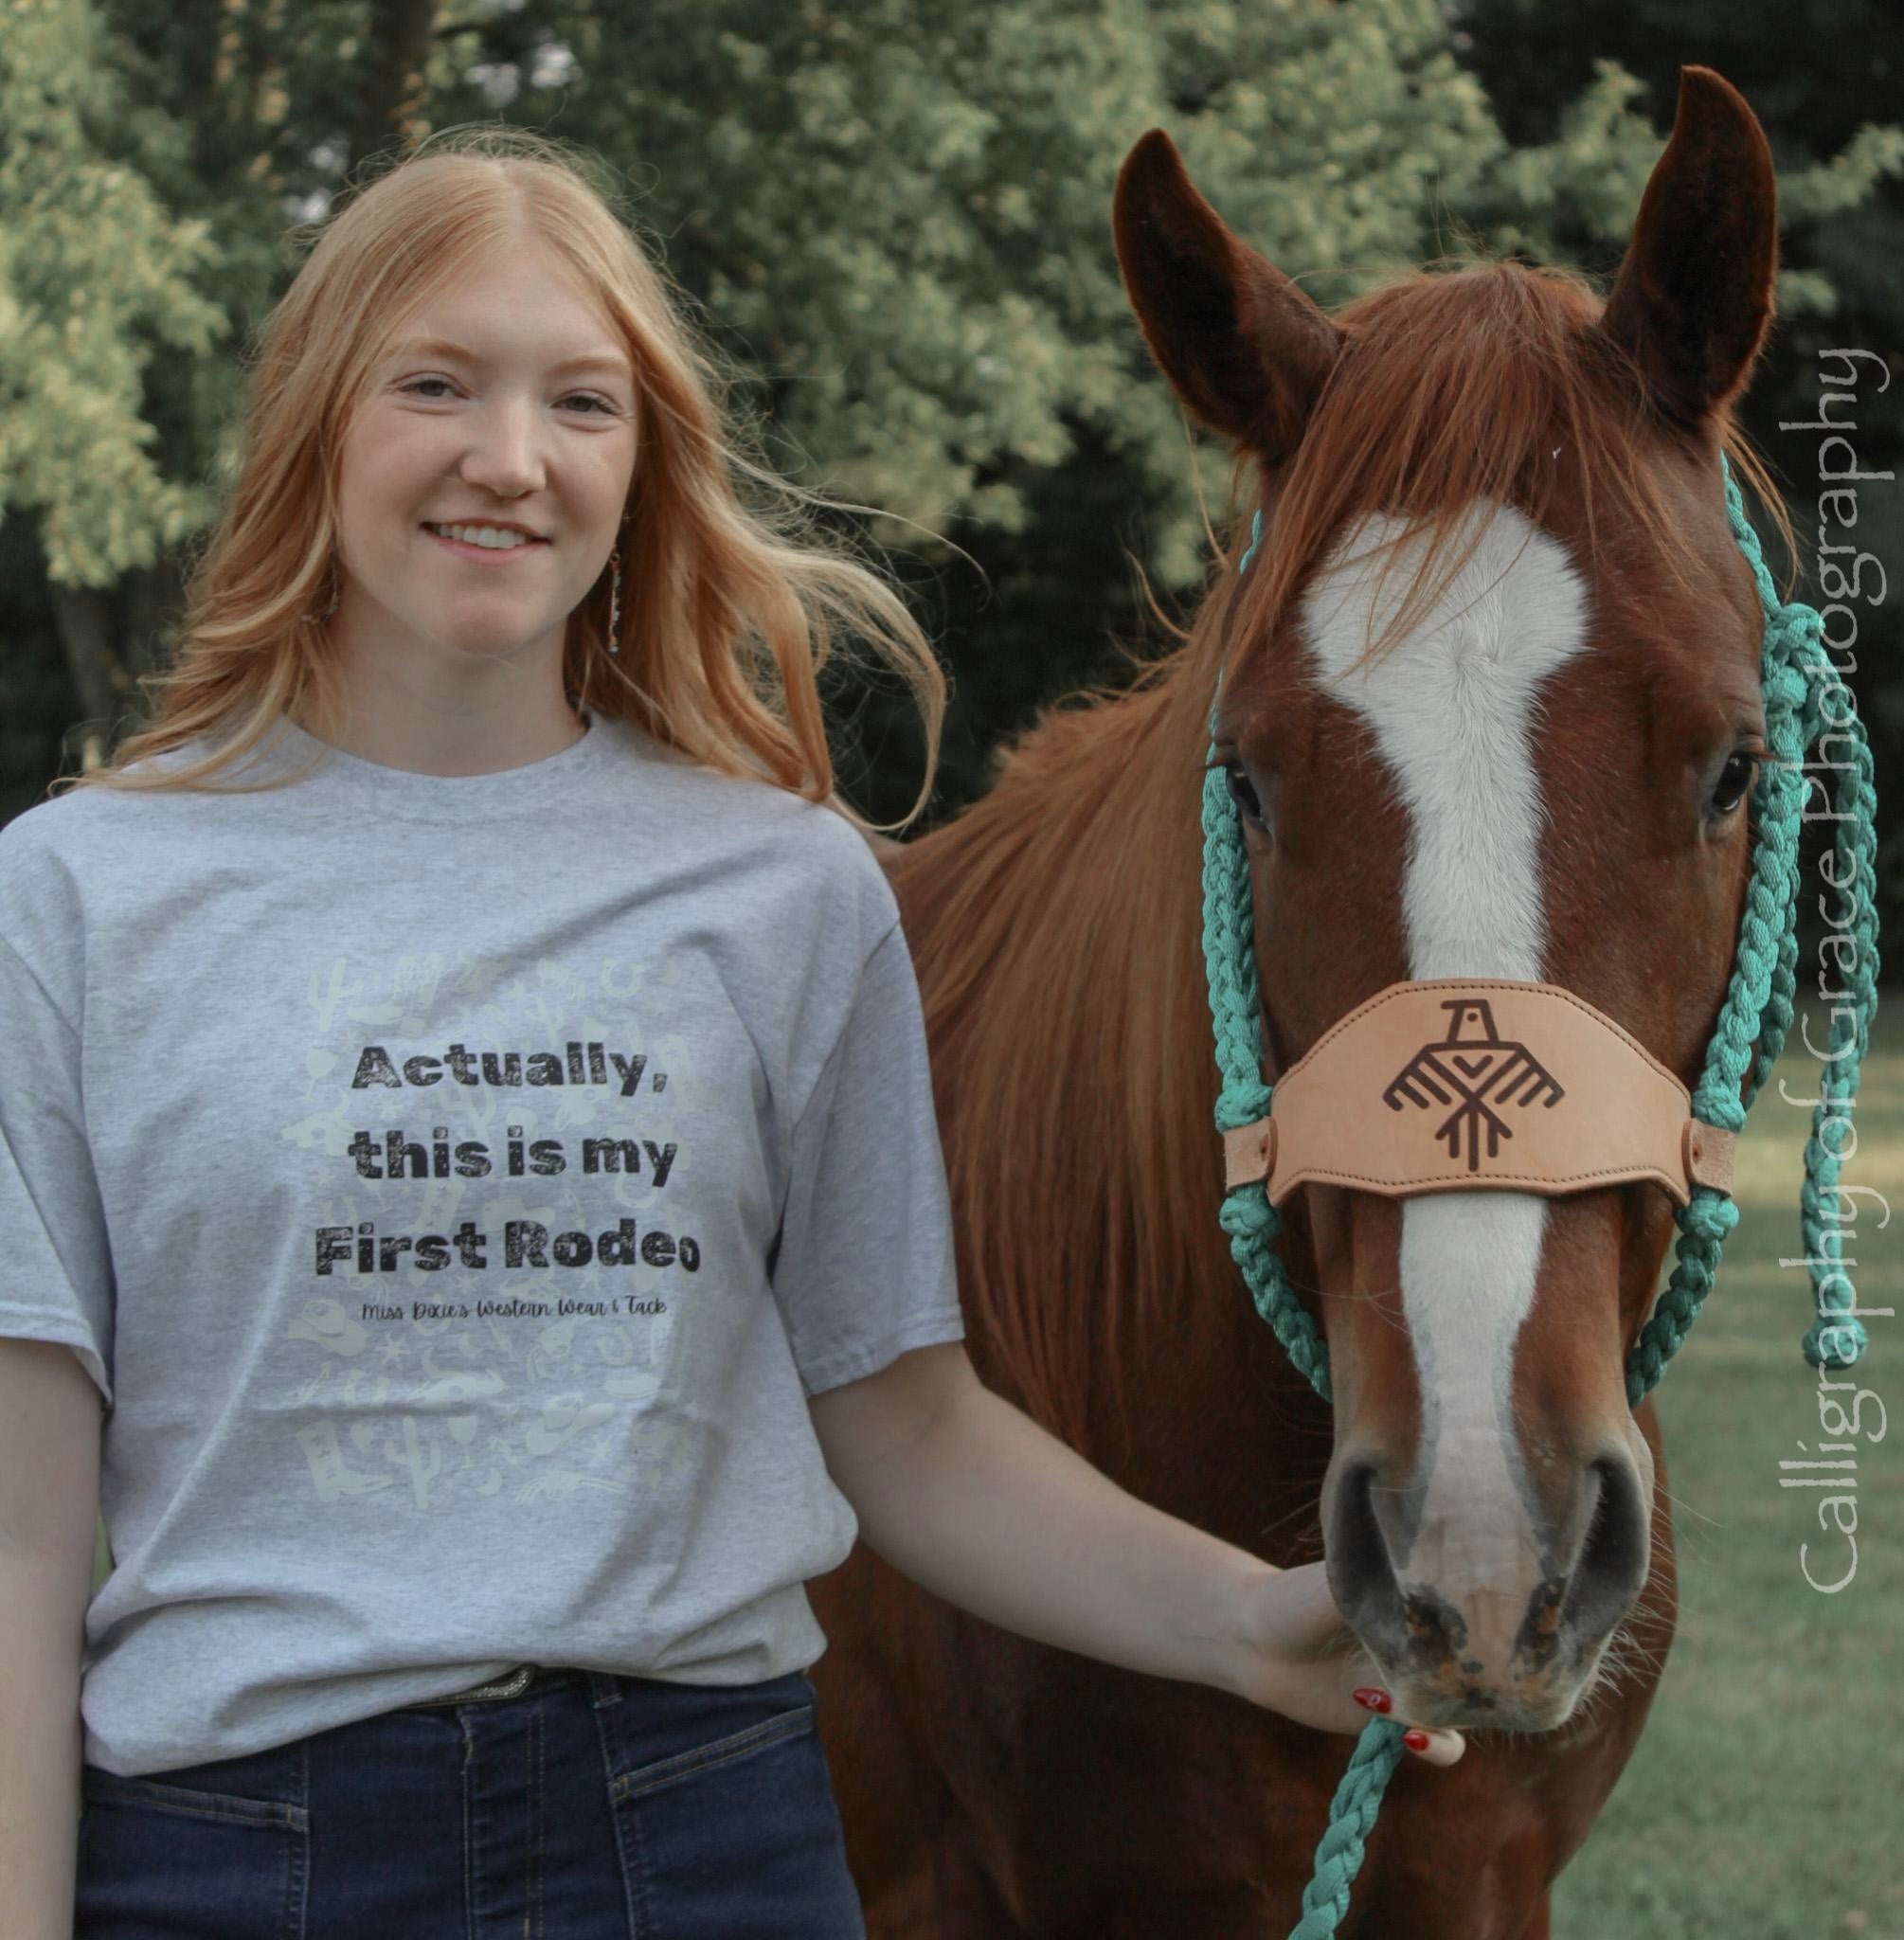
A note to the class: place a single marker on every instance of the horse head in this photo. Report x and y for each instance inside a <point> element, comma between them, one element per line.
<point>1530,764</point>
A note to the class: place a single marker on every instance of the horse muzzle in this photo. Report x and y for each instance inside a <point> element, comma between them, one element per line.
<point>1487,1595</point>
<point>1472,1623</point>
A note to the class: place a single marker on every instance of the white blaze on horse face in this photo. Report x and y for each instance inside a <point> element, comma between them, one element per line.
<point>1452,709</point>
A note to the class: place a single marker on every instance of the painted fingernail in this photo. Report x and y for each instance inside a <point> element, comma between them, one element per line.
<point>1374,1699</point>
<point>1415,1741</point>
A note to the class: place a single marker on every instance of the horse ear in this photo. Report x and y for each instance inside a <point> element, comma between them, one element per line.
<point>1247,350</point>
<point>1694,296</point>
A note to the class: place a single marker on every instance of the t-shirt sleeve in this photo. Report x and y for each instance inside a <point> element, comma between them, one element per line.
<point>56,1278</point>
<point>865,1270</point>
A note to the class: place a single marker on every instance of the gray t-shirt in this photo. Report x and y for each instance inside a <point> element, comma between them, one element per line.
<point>456,1185</point>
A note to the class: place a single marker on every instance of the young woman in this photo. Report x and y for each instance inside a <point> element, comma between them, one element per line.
<point>466,1109</point>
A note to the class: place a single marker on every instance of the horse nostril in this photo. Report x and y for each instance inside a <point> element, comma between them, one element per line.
<point>1611,1567</point>
<point>1361,1577</point>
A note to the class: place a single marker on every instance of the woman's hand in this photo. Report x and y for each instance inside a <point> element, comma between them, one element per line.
<point>1301,1659</point>
<point>971,1499</point>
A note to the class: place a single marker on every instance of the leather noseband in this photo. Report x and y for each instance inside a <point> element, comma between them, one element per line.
<point>1452,1085</point>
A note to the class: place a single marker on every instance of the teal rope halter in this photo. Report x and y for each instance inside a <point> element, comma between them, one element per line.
<point>1800,688</point>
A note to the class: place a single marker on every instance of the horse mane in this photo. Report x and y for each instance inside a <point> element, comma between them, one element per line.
<point>1056,924</point>
<point>1054,930</point>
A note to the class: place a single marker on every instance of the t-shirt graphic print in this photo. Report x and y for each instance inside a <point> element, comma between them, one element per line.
<point>497,1221</point>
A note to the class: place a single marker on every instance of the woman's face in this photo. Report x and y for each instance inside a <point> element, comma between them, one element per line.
<point>507,429</point>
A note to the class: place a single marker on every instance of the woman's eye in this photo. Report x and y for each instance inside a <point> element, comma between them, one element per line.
<point>1735,783</point>
<point>1243,791</point>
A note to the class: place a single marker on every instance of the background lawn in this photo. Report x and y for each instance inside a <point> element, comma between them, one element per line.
<point>1766,1797</point>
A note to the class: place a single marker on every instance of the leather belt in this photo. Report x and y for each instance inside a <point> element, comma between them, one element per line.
<point>511,1684</point>
<point>1455,1083</point>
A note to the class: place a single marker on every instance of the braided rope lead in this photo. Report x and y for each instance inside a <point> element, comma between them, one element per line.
<point>1801,691</point>
<point>1352,1818</point>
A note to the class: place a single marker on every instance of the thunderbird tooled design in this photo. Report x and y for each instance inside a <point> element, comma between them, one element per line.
<point>1474,1071</point>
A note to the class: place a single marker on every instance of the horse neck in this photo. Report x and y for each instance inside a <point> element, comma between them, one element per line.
<point>1056,928</point>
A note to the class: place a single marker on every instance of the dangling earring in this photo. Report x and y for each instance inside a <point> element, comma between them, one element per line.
<point>615,602</point>
<point>336,590</point>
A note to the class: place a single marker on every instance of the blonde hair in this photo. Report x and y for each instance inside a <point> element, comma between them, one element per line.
<point>729,608</point>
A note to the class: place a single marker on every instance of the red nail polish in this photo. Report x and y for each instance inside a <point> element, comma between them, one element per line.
<point>1415,1741</point>
<point>1374,1699</point>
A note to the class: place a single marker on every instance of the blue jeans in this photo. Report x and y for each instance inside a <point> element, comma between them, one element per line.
<point>586,1808</point>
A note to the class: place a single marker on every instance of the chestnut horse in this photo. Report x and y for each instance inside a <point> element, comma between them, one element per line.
<point>1534,774</point>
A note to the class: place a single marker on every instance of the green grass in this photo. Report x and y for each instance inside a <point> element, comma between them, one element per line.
<point>1766,1797</point>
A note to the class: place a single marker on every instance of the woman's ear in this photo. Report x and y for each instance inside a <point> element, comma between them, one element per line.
<point>1246,349</point>
<point>1694,296</point>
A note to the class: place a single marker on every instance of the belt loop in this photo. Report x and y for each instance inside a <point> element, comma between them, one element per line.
<point>604,1688</point>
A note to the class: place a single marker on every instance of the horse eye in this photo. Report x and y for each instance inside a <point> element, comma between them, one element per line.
<point>1735,783</point>
<point>1243,791</point>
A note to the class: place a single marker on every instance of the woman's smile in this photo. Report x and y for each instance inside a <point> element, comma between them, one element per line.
<point>488,555</point>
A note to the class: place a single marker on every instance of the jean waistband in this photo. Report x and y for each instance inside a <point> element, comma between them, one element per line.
<point>601,1687</point>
